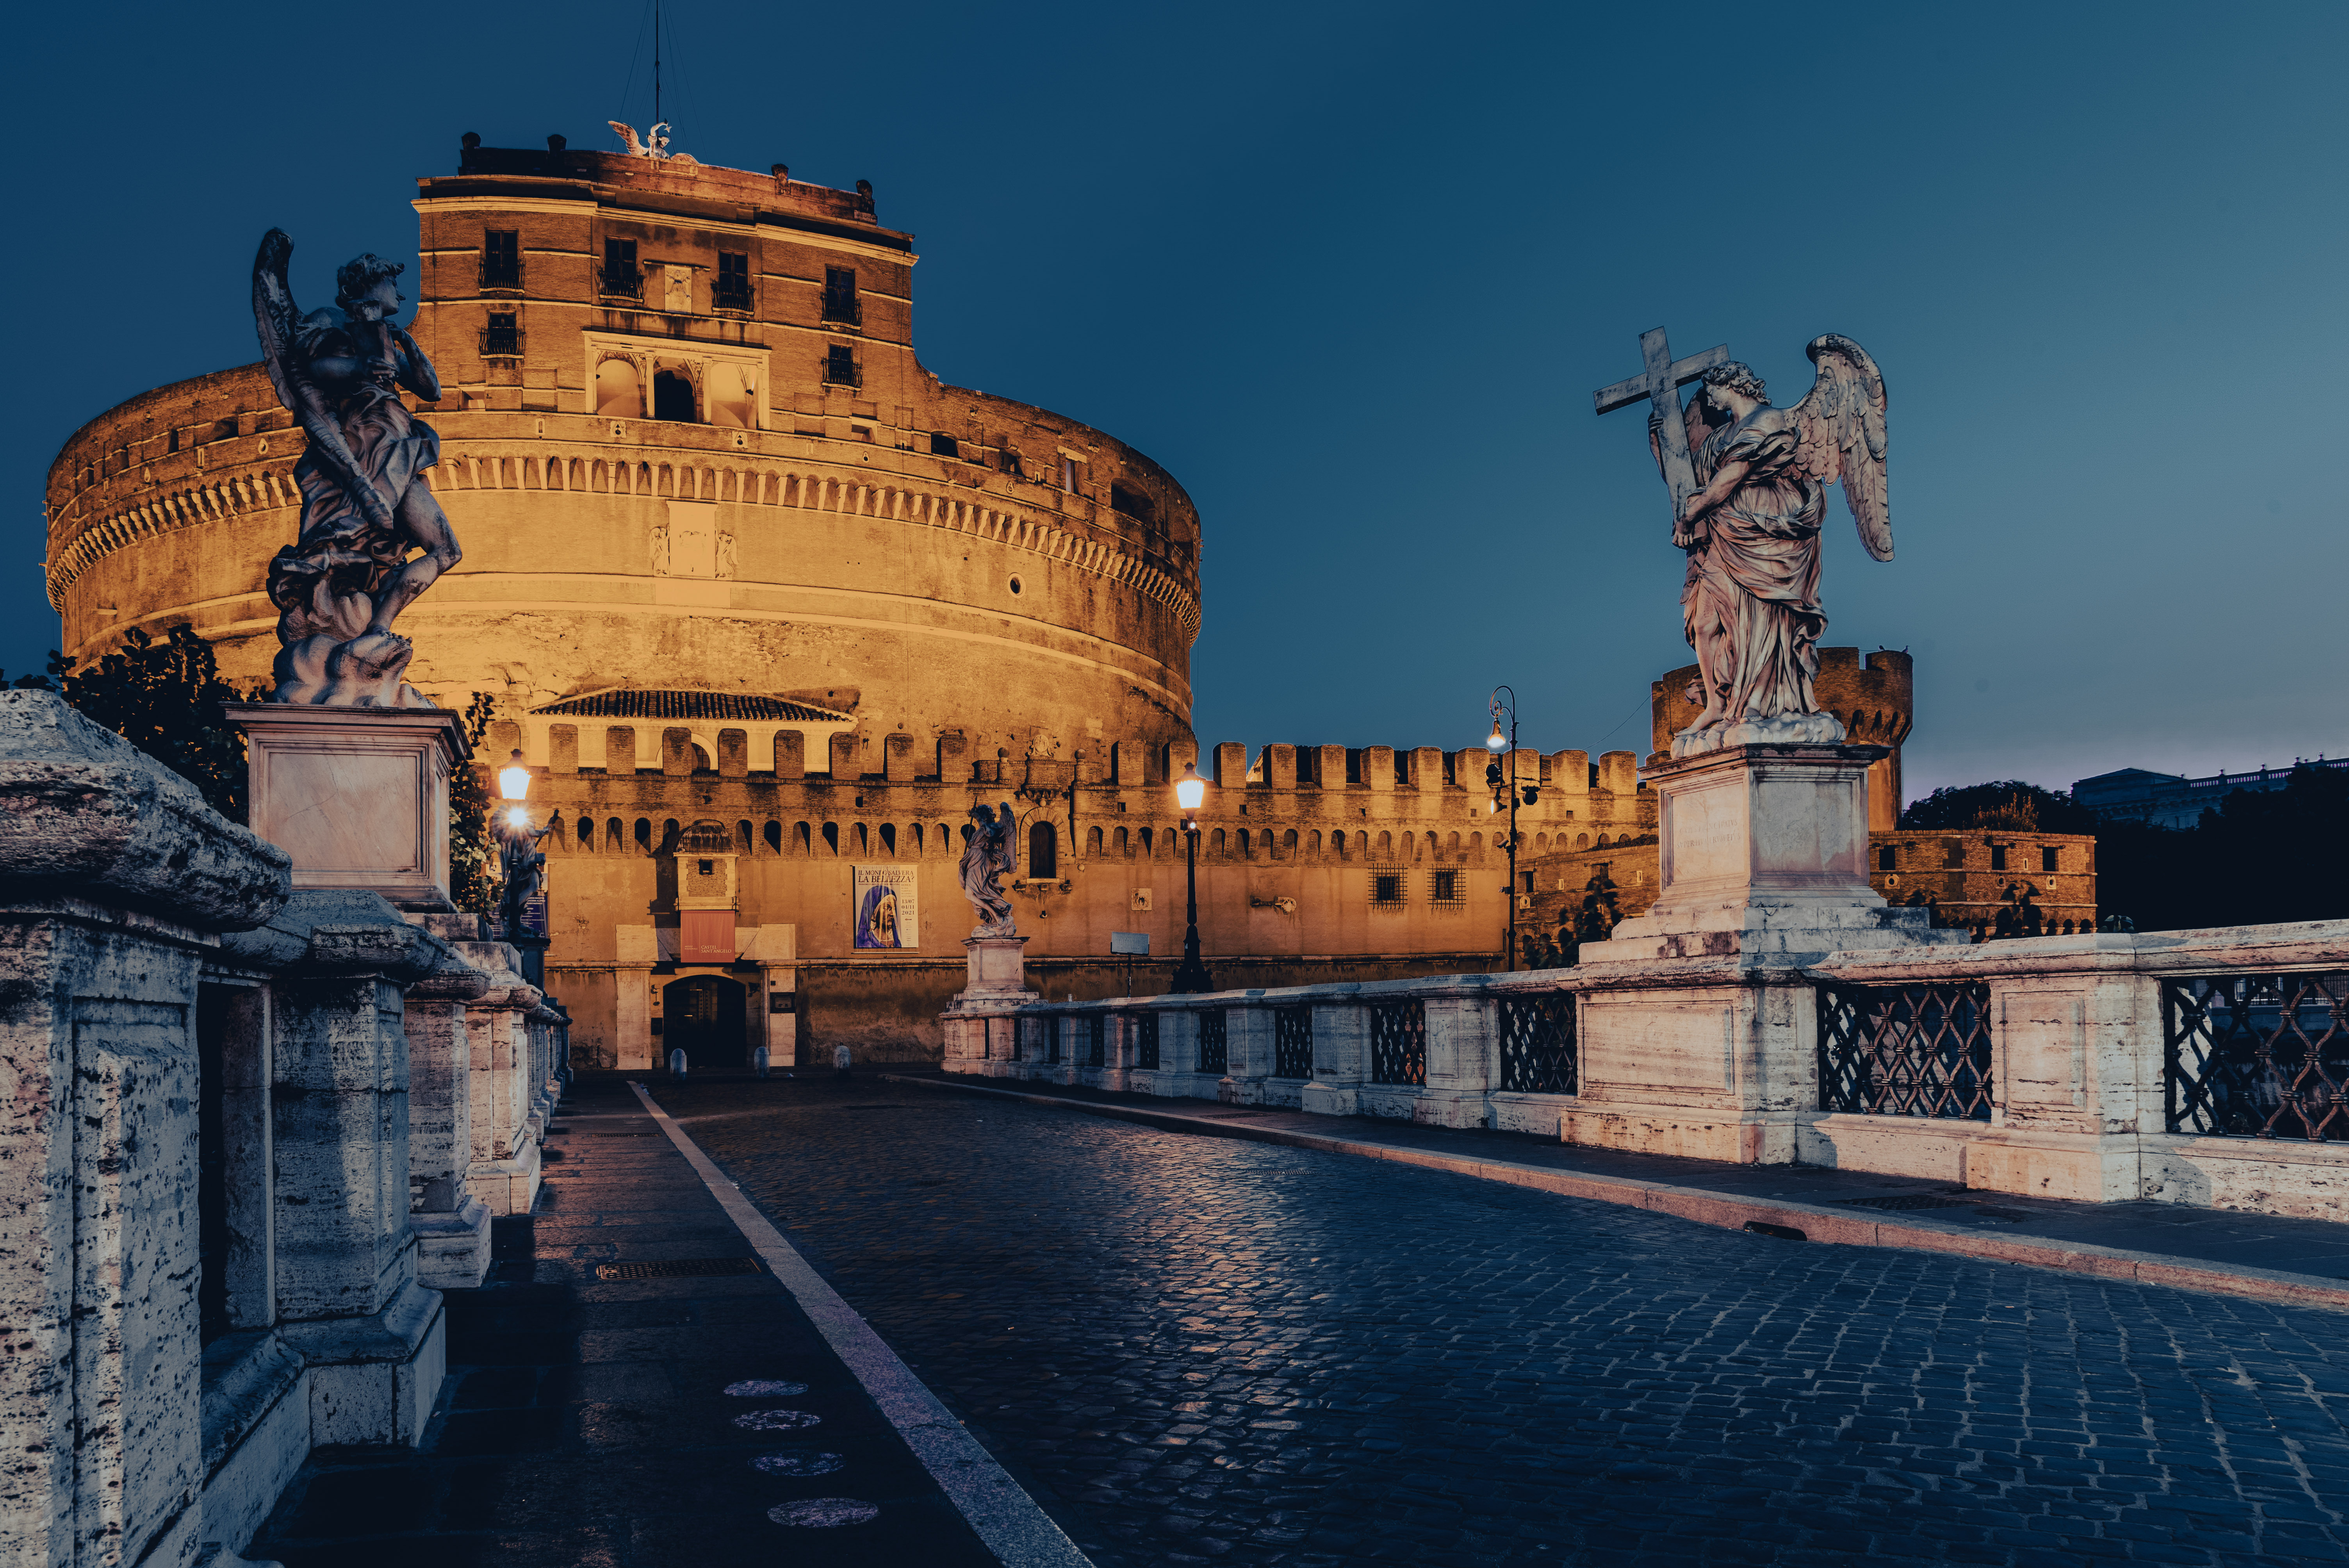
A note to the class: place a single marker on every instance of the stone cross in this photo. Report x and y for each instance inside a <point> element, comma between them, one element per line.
<point>1659,383</point>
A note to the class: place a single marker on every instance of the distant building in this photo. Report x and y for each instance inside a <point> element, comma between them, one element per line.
<point>2167,800</point>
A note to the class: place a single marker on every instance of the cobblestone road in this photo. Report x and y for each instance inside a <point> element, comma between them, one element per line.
<point>1194,1349</point>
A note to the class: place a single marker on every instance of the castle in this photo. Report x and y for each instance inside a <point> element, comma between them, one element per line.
<point>767,608</point>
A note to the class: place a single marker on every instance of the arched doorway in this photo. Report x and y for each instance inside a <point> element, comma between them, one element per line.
<point>704,1014</point>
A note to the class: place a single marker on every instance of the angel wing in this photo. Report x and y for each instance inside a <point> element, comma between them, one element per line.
<point>628,135</point>
<point>275,315</point>
<point>1007,835</point>
<point>1841,423</point>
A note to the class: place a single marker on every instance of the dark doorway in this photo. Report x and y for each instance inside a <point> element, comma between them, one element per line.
<point>673,397</point>
<point>704,1014</point>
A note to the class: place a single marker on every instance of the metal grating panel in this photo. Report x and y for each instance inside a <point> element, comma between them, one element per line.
<point>1292,1042</point>
<point>2258,1055</point>
<point>1906,1050</point>
<point>1145,1040</point>
<point>1096,1039</point>
<point>1399,1042</point>
<point>1214,1047</point>
<point>1540,1053</point>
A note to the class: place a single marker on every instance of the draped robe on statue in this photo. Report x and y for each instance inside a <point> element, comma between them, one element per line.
<point>1753,580</point>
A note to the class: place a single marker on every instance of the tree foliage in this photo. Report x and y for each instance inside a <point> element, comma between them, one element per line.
<point>165,699</point>
<point>2259,857</point>
<point>2008,805</point>
<point>472,857</point>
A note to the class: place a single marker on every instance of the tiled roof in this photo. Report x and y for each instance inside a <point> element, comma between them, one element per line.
<point>689,705</point>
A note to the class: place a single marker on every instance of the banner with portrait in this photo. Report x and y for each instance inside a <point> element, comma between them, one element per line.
<point>888,909</point>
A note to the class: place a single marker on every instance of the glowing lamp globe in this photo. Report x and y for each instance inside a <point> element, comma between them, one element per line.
<point>1190,789</point>
<point>514,781</point>
<point>1496,741</point>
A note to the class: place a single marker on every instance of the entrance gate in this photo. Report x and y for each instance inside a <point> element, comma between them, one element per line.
<point>705,1017</point>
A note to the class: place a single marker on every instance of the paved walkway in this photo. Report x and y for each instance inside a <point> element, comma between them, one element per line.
<point>693,1417</point>
<point>2281,1259</point>
<point>1218,1350</point>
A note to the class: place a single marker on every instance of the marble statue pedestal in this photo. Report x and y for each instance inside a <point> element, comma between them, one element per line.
<point>1702,1039</point>
<point>982,1026</point>
<point>357,796</point>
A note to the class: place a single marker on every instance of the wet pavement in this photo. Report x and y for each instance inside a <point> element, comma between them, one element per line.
<point>670,1418</point>
<point>1197,1349</point>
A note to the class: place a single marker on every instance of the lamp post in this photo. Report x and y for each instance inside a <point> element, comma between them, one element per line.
<point>1191,974</point>
<point>521,862</point>
<point>1504,783</point>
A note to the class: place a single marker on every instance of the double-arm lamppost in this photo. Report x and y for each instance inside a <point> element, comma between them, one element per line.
<point>521,864</point>
<point>1191,974</point>
<point>1504,785</point>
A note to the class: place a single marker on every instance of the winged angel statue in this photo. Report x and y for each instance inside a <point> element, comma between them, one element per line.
<point>654,145</point>
<point>365,504</point>
<point>1751,601</point>
<point>985,860</point>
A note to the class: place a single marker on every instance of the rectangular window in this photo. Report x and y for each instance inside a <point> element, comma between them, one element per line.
<point>1885,858</point>
<point>1386,889</point>
<point>1069,473</point>
<point>2050,858</point>
<point>620,274</point>
<point>1130,501</point>
<point>1998,857</point>
<point>501,258</point>
<point>1402,769</point>
<point>1353,765</point>
<point>840,365</point>
<point>733,280</point>
<point>1452,767</point>
<point>1448,889</point>
<point>944,446</point>
<point>1309,765</point>
<point>500,337</point>
<point>840,295</point>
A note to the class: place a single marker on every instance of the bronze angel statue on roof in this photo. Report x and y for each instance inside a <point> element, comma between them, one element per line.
<point>365,504</point>
<point>1750,602</point>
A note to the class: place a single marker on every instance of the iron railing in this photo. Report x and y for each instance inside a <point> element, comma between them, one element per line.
<point>2258,1055</point>
<point>1906,1050</point>
<point>1292,1042</point>
<point>1096,1039</point>
<point>1145,1040</point>
<point>1215,1042</point>
<point>1540,1052</point>
<point>1399,1042</point>
<point>620,282</point>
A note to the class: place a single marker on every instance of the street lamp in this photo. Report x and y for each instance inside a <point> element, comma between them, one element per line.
<point>1504,785</point>
<point>518,855</point>
<point>1191,974</point>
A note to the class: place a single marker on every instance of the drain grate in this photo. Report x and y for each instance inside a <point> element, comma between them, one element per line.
<point>677,1268</point>
<point>1905,1201</point>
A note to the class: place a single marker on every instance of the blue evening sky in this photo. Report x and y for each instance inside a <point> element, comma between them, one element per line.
<point>1352,272</point>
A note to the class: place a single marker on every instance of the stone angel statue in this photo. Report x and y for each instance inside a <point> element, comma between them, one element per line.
<point>365,504</point>
<point>985,861</point>
<point>1750,602</point>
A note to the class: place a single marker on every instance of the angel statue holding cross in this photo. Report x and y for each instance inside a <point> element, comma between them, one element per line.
<point>1748,493</point>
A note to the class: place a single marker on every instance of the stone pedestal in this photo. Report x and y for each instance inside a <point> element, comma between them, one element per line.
<point>982,1026</point>
<point>357,796</point>
<point>1702,1038</point>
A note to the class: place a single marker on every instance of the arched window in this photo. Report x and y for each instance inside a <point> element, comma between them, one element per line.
<point>1289,845</point>
<point>774,837</point>
<point>917,840</point>
<point>1124,844</point>
<point>832,837</point>
<point>673,397</point>
<point>644,834</point>
<point>618,392</point>
<point>1043,852</point>
<point>1313,842</point>
<point>615,835</point>
<point>864,840</point>
<point>889,837</point>
<point>587,834</point>
<point>800,839</point>
<point>1215,845</point>
<point>1245,848</point>
<point>1386,842</point>
<point>1093,843</point>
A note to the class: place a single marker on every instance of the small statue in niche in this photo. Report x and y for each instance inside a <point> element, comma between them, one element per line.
<point>365,504</point>
<point>985,861</point>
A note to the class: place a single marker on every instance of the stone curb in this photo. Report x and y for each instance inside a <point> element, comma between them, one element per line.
<point>1816,1221</point>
